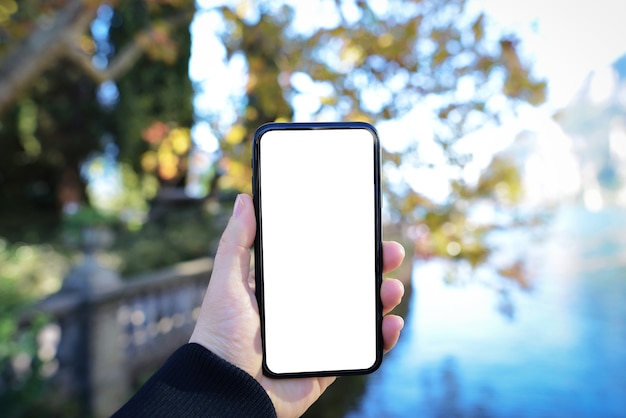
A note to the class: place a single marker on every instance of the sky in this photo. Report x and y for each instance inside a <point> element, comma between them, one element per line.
<point>564,40</point>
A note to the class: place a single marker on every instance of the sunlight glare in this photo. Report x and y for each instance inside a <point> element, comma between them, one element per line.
<point>603,85</point>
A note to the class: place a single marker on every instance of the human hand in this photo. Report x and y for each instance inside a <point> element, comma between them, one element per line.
<point>229,324</point>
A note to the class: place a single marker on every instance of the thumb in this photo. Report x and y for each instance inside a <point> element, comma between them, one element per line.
<point>225,309</point>
<point>233,252</point>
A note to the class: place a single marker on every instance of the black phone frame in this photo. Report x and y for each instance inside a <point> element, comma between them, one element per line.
<point>258,242</point>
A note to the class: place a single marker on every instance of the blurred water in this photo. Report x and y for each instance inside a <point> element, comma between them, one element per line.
<point>562,355</point>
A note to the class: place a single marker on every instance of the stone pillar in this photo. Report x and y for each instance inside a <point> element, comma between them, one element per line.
<point>98,358</point>
<point>108,377</point>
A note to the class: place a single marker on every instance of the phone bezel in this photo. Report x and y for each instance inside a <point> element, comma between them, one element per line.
<point>258,243</point>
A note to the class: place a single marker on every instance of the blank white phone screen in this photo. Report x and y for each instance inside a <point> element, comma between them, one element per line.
<point>317,198</point>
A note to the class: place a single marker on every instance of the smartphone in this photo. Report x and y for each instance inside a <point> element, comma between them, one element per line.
<point>318,248</point>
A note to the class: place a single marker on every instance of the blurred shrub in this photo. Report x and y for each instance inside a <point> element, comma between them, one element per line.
<point>27,272</point>
<point>177,236</point>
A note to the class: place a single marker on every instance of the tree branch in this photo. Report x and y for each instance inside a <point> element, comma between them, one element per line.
<point>21,67</point>
<point>26,61</point>
<point>124,60</point>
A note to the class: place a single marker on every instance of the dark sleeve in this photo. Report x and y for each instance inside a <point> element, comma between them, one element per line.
<point>194,382</point>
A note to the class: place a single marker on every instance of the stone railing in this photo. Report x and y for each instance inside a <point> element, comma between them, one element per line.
<point>107,335</point>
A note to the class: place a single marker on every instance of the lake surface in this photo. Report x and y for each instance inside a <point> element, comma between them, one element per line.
<point>561,354</point>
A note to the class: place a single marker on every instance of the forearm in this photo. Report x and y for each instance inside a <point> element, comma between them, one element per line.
<point>196,383</point>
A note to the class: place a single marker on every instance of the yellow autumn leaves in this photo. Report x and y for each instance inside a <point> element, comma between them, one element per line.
<point>7,8</point>
<point>236,171</point>
<point>169,147</point>
<point>168,155</point>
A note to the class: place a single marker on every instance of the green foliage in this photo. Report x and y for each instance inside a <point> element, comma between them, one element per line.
<point>21,390</point>
<point>157,87</point>
<point>26,273</point>
<point>130,202</point>
<point>180,235</point>
<point>45,139</point>
<point>87,216</point>
<point>16,19</point>
<point>60,119</point>
<point>31,270</point>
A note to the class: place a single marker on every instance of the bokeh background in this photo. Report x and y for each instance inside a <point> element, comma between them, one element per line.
<point>125,134</point>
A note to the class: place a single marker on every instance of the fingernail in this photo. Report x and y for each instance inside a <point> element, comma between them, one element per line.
<point>239,204</point>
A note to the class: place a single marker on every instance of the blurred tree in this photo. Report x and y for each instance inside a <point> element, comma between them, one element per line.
<point>377,63</point>
<point>155,100</point>
<point>83,77</point>
<point>101,79</point>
